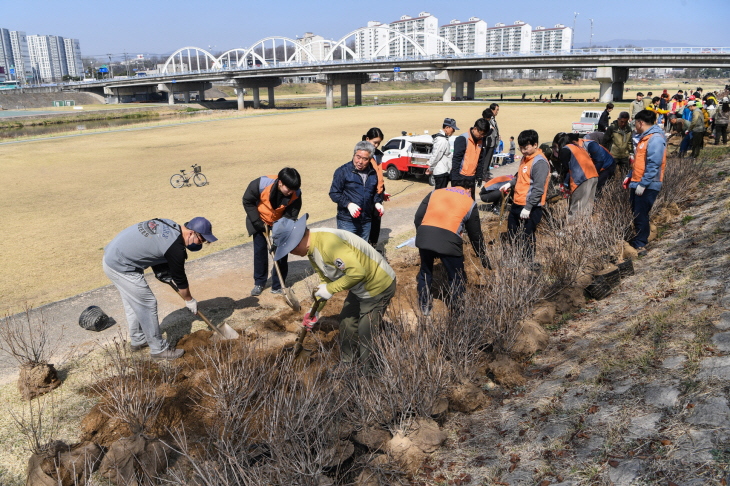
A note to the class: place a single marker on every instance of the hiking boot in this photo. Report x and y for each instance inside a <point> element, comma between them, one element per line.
<point>256,291</point>
<point>641,251</point>
<point>138,347</point>
<point>169,354</point>
<point>276,292</point>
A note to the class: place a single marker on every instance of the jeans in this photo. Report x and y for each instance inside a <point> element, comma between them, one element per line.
<point>721,132</point>
<point>685,144</point>
<point>641,206</point>
<point>261,264</point>
<point>355,226</point>
<point>454,269</point>
<point>524,229</point>
<point>605,176</point>
<point>442,181</point>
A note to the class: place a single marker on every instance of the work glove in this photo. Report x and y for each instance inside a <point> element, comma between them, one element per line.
<point>525,214</point>
<point>259,226</point>
<point>380,209</point>
<point>307,323</point>
<point>687,132</point>
<point>631,159</point>
<point>192,304</point>
<point>506,188</point>
<point>163,275</point>
<point>626,182</point>
<point>354,210</point>
<point>479,183</point>
<point>322,292</point>
<point>386,196</point>
<point>555,175</point>
<point>639,190</point>
<point>485,262</point>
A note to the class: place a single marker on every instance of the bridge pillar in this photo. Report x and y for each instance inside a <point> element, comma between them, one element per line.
<point>272,103</point>
<point>256,100</point>
<point>343,96</point>
<point>330,80</point>
<point>187,96</point>
<point>458,76</point>
<point>186,88</point>
<point>239,96</point>
<point>612,82</point>
<point>330,96</point>
<point>470,89</point>
<point>254,84</point>
<point>171,98</point>
<point>358,94</point>
<point>201,95</point>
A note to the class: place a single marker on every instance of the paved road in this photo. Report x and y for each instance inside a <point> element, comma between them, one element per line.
<point>18,113</point>
<point>221,282</point>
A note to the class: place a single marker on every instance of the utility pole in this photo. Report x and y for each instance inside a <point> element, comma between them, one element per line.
<point>590,44</point>
<point>126,62</point>
<point>572,41</point>
<point>111,69</point>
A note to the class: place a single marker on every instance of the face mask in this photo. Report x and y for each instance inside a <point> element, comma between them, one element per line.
<point>194,247</point>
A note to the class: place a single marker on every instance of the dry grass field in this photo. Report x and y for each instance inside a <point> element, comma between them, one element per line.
<point>64,199</point>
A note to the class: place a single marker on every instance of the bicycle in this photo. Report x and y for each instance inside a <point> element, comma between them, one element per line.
<point>198,177</point>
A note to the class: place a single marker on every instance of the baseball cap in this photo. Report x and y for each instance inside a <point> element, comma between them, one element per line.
<point>450,122</point>
<point>692,97</point>
<point>202,226</point>
<point>286,235</point>
<point>691,103</point>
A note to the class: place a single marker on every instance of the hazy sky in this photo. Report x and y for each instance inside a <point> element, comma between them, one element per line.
<point>162,26</point>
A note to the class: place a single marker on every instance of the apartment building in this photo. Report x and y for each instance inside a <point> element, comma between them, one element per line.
<point>558,38</point>
<point>373,41</point>
<point>470,36</point>
<point>423,29</point>
<point>511,39</point>
<point>21,55</point>
<point>75,66</point>
<point>6,51</point>
<point>317,45</point>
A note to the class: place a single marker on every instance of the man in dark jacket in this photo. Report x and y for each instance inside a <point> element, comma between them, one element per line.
<point>440,220</point>
<point>618,142</point>
<point>605,118</point>
<point>355,190</point>
<point>266,200</point>
<point>467,164</point>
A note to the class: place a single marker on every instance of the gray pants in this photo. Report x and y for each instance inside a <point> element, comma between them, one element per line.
<point>582,198</point>
<point>140,305</point>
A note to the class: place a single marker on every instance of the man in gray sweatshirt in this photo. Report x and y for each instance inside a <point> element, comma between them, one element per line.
<point>160,244</point>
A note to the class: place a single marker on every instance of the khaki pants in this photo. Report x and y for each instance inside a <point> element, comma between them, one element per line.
<point>582,198</point>
<point>358,319</point>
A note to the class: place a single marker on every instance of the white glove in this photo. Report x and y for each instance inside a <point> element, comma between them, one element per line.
<point>639,190</point>
<point>505,188</point>
<point>354,210</point>
<point>192,304</point>
<point>380,209</point>
<point>525,214</point>
<point>322,292</point>
<point>555,175</point>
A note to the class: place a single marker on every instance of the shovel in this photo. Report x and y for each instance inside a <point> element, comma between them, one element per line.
<point>303,331</point>
<point>289,297</point>
<point>501,213</point>
<point>224,332</point>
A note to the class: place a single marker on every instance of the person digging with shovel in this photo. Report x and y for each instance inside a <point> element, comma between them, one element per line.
<point>343,261</point>
<point>266,200</point>
<point>160,244</point>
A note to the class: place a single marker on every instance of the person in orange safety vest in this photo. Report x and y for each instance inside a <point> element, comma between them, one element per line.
<point>579,172</point>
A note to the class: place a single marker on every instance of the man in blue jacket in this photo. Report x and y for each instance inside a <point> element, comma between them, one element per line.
<point>355,190</point>
<point>603,160</point>
<point>645,177</point>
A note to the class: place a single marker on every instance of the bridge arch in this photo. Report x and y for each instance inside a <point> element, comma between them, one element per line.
<point>377,34</point>
<point>273,50</point>
<point>231,57</point>
<point>186,64</point>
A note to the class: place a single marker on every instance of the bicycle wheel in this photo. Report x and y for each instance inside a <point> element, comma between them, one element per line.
<point>177,181</point>
<point>200,180</point>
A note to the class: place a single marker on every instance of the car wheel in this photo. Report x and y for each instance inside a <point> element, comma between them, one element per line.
<point>432,180</point>
<point>392,173</point>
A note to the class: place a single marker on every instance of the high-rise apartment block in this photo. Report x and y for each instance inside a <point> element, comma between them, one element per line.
<point>73,58</point>
<point>553,39</point>
<point>373,41</point>
<point>39,58</point>
<point>423,29</point>
<point>509,39</point>
<point>6,51</point>
<point>21,56</point>
<point>470,37</point>
<point>316,45</point>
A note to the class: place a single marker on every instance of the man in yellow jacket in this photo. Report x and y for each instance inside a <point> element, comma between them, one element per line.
<point>343,261</point>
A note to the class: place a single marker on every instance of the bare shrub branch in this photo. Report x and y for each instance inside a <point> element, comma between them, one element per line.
<point>681,176</point>
<point>38,423</point>
<point>27,338</point>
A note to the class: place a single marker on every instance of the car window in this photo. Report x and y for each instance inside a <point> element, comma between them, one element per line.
<point>393,145</point>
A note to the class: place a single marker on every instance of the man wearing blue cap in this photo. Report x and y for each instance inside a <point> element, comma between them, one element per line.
<point>160,244</point>
<point>343,261</point>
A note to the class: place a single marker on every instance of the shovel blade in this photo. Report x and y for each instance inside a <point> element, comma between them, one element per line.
<point>226,333</point>
<point>291,300</point>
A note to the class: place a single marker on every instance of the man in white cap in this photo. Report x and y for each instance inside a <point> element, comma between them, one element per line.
<point>160,244</point>
<point>343,261</point>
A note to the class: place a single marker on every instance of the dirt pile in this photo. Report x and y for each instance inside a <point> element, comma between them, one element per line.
<point>37,379</point>
<point>134,460</point>
<point>63,465</point>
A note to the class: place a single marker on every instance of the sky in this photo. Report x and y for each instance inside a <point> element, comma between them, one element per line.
<point>162,26</point>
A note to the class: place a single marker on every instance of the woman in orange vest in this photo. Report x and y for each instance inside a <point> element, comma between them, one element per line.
<point>469,156</point>
<point>267,200</point>
<point>581,176</point>
<point>530,185</point>
<point>375,136</point>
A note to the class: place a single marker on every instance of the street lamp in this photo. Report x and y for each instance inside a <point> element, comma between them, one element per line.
<point>572,41</point>
<point>590,44</point>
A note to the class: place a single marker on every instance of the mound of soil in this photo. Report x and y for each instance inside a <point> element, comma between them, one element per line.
<point>36,380</point>
<point>63,465</point>
<point>136,458</point>
<point>507,372</point>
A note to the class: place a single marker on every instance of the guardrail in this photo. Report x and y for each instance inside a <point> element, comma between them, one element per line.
<point>436,57</point>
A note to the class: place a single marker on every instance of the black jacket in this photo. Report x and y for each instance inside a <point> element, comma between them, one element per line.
<point>251,199</point>
<point>603,121</point>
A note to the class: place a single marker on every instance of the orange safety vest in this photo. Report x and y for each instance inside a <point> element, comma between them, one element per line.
<point>498,181</point>
<point>379,171</point>
<point>471,155</point>
<point>524,185</point>
<point>640,160</point>
<point>447,209</point>
<point>268,214</point>
<point>581,167</point>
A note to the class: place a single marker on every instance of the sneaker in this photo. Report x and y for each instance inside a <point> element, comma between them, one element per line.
<point>256,291</point>
<point>169,354</point>
<point>426,311</point>
<point>495,209</point>
<point>277,292</point>
<point>641,251</point>
<point>139,347</point>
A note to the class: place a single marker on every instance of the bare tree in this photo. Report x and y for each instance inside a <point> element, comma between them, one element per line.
<point>27,338</point>
<point>38,423</point>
